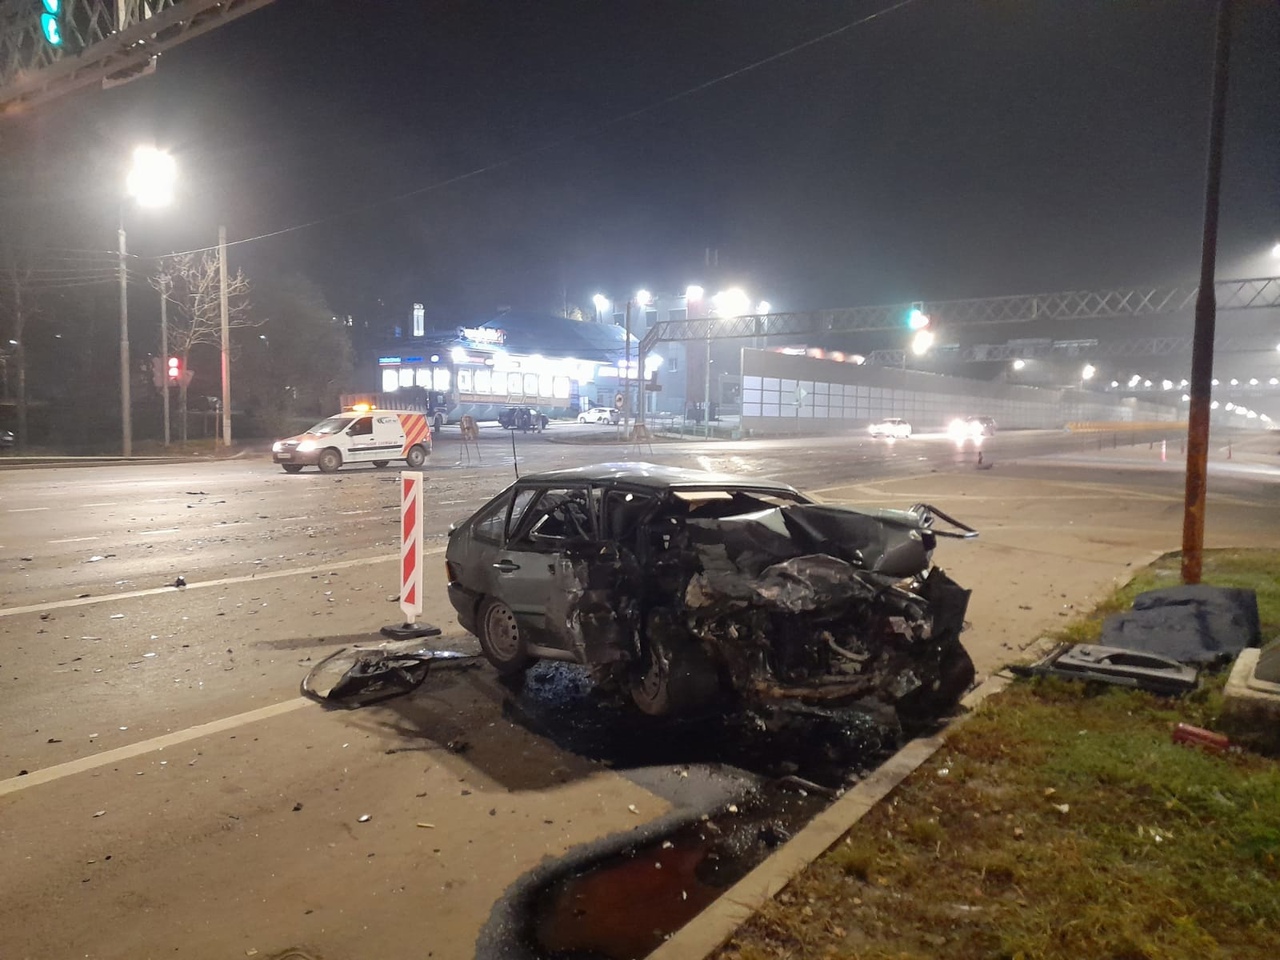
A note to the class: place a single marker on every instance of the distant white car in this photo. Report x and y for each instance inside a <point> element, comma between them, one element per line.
<point>598,415</point>
<point>892,427</point>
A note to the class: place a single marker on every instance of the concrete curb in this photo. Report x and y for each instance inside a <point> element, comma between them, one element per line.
<point>711,929</point>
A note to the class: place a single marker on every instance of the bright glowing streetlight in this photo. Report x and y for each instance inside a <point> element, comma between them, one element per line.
<point>921,342</point>
<point>763,307</point>
<point>731,303</point>
<point>1088,371</point>
<point>1019,364</point>
<point>152,177</point>
<point>601,304</point>
<point>644,297</point>
<point>149,183</point>
<point>1275,251</point>
<point>693,293</point>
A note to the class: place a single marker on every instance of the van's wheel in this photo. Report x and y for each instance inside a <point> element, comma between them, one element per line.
<point>500,638</point>
<point>291,467</point>
<point>416,457</point>
<point>380,463</point>
<point>673,679</point>
<point>330,460</point>
<point>437,423</point>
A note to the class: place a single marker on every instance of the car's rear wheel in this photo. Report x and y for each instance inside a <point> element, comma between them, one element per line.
<point>291,467</point>
<point>500,638</point>
<point>582,418</point>
<point>416,456</point>
<point>330,460</point>
<point>437,423</point>
<point>380,463</point>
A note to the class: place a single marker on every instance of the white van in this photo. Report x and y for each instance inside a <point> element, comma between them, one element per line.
<point>358,435</point>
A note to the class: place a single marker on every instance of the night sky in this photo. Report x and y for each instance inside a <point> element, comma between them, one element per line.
<point>948,148</point>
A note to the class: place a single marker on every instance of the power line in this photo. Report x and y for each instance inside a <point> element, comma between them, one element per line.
<point>559,141</point>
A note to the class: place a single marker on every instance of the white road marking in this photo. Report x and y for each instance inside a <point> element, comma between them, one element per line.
<point>224,582</point>
<point>153,533</point>
<point>113,504</point>
<point>72,767</point>
<point>74,540</point>
<point>26,509</point>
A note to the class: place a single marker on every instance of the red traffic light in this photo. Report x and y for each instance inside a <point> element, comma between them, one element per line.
<point>175,368</point>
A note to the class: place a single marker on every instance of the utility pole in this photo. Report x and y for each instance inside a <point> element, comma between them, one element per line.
<point>164,349</point>
<point>1206,317</point>
<point>226,338</point>
<point>126,406</point>
<point>706,387</point>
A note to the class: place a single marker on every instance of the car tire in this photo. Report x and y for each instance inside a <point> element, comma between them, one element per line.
<point>329,461</point>
<point>291,467</point>
<point>672,679</point>
<point>582,418</point>
<point>437,423</point>
<point>416,456</point>
<point>500,638</point>
<point>379,464</point>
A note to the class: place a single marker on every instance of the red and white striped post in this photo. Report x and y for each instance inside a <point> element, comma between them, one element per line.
<point>410,561</point>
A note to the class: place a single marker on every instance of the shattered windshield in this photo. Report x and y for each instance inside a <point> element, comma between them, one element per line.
<point>331,426</point>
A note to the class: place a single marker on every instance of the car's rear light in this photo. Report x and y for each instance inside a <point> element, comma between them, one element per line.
<point>450,572</point>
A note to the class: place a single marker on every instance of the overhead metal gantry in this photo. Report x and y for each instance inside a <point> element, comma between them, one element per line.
<point>104,42</point>
<point>1078,349</point>
<point>951,314</point>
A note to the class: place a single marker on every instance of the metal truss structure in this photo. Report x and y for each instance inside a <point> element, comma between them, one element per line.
<point>951,314</point>
<point>106,42</point>
<point>1073,349</point>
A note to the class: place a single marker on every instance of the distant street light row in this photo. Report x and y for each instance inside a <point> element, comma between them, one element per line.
<point>732,302</point>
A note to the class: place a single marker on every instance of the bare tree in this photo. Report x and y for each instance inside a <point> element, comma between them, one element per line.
<point>190,283</point>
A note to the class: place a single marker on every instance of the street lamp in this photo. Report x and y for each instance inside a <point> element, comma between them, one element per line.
<point>921,342</point>
<point>149,183</point>
<point>1019,364</point>
<point>693,293</point>
<point>644,297</point>
<point>1088,371</point>
<point>602,304</point>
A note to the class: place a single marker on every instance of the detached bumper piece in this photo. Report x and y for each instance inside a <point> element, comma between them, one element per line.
<point>1116,666</point>
<point>374,675</point>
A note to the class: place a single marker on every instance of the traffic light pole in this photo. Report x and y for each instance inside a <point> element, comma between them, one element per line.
<point>164,350</point>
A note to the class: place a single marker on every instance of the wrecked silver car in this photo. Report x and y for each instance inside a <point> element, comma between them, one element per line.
<point>685,586</point>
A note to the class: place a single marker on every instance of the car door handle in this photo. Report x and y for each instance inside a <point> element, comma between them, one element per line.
<point>506,566</point>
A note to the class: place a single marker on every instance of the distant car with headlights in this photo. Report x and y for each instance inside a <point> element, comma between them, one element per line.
<point>972,427</point>
<point>599,415</point>
<point>892,427</point>
<point>359,435</point>
<point>7,439</point>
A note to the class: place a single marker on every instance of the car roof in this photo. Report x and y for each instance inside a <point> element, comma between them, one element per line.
<point>656,476</point>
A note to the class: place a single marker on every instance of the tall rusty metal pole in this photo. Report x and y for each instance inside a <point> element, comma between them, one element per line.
<point>1206,317</point>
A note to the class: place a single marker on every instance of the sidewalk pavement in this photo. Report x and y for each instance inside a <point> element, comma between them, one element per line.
<point>251,837</point>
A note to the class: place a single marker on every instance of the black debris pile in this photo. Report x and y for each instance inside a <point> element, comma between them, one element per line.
<point>374,675</point>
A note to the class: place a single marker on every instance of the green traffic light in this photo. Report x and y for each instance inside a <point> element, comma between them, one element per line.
<point>51,27</point>
<point>917,319</point>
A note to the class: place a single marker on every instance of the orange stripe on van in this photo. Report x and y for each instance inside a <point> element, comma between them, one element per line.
<point>415,429</point>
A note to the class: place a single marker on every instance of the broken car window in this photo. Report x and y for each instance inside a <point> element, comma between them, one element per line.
<point>560,514</point>
<point>623,512</point>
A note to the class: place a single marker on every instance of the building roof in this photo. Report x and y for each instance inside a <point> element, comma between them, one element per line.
<point>552,336</point>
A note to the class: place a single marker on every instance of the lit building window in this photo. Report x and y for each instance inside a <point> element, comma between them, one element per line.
<point>442,378</point>
<point>390,381</point>
<point>419,320</point>
<point>484,381</point>
<point>530,384</point>
<point>406,376</point>
<point>423,377</point>
<point>560,388</point>
<point>544,385</point>
<point>513,384</point>
<point>464,381</point>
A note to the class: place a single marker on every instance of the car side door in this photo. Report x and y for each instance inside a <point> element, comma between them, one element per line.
<point>360,442</point>
<point>560,520</point>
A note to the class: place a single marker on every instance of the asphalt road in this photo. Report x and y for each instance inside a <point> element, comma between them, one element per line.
<point>98,530</point>
<point>162,789</point>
